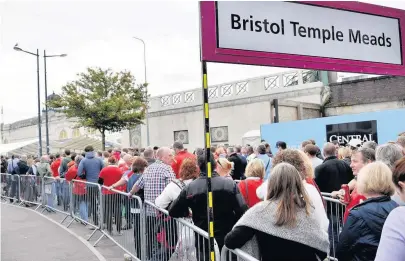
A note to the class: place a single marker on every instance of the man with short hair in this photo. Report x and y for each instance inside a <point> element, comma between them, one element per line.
<point>281,145</point>
<point>239,164</point>
<point>64,164</point>
<point>89,169</point>
<point>149,155</point>
<point>55,173</point>
<point>261,154</point>
<point>127,163</point>
<point>370,144</point>
<point>311,151</point>
<point>181,154</point>
<point>153,181</point>
<point>332,173</point>
<point>305,143</point>
<point>65,193</point>
<point>360,158</point>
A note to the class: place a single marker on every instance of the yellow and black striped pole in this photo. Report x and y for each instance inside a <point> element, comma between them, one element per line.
<point>210,207</point>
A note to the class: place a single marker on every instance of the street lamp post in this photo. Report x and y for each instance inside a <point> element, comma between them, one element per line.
<point>146,90</point>
<point>46,99</point>
<point>39,96</point>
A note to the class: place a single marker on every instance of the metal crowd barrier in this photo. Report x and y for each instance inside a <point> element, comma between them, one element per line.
<point>235,255</point>
<point>85,202</point>
<point>174,239</point>
<point>30,190</point>
<point>335,211</point>
<point>56,196</point>
<point>10,187</point>
<point>123,221</point>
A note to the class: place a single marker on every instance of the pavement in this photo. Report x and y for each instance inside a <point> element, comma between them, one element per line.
<point>30,236</point>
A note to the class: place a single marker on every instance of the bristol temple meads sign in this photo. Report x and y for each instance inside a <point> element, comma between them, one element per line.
<point>315,35</point>
<point>344,132</point>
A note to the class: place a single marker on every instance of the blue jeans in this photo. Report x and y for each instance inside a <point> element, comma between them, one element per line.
<point>80,204</point>
<point>15,188</point>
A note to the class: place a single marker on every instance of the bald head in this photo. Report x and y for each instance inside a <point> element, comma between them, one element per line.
<point>329,150</point>
<point>128,159</point>
<point>165,154</point>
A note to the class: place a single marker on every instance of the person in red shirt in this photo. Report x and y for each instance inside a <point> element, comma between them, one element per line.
<point>55,173</point>
<point>359,159</point>
<point>127,163</point>
<point>254,178</point>
<point>78,189</point>
<point>181,154</point>
<point>112,201</point>
<point>55,165</point>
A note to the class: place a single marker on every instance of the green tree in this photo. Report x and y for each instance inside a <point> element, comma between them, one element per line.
<point>103,100</point>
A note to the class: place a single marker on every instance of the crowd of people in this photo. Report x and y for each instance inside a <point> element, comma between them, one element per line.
<point>260,199</point>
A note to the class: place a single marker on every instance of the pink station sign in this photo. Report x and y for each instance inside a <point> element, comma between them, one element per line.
<point>333,36</point>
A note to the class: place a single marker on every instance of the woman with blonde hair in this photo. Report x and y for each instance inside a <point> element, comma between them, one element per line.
<point>361,234</point>
<point>345,154</point>
<point>254,178</point>
<point>224,168</point>
<point>285,221</point>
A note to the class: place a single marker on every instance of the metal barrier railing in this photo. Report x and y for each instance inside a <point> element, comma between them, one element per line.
<point>56,196</point>
<point>236,254</point>
<point>10,184</point>
<point>30,190</point>
<point>335,211</point>
<point>124,214</point>
<point>86,206</point>
<point>170,238</point>
<point>143,230</point>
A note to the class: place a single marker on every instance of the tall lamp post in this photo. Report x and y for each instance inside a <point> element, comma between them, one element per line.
<point>146,90</point>
<point>46,99</point>
<point>17,48</point>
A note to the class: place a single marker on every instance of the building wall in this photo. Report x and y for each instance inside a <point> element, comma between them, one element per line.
<point>366,95</point>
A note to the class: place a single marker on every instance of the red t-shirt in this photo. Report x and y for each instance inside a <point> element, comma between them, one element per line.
<point>71,173</point>
<point>179,159</point>
<point>124,167</point>
<point>55,167</point>
<point>252,185</point>
<point>355,199</point>
<point>110,175</point>
<point>79,188</point>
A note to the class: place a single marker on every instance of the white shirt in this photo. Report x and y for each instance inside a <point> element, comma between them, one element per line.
<point>313,194</point>
<point>169,194</point>
<point>316,162</point>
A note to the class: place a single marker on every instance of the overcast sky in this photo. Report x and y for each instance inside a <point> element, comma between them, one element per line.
<point>98,33</point>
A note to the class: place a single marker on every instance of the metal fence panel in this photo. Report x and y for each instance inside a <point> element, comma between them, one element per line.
<point>86,206</point>
<point>10,185</point>
<point>173,239</point>
<point>30,190</point>
<point>56,196</point>
<point>335,211</point>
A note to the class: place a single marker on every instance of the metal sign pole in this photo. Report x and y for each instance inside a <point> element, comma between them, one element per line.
<point>210,208</point>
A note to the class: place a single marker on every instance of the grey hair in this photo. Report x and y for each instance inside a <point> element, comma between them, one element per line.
<point>148,153</point>
<point>370,144</point>
<point>23,157</point>
<point>388,154</point>
<point>44,158</point>
<point>78,159</point>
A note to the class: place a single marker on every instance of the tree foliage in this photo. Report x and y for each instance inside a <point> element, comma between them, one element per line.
<point>103,100</point>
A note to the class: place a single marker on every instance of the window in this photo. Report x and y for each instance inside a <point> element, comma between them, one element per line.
<point>63,135</point>
<point>76,133</point>
<point>219,134</point>
<point>181,136</point>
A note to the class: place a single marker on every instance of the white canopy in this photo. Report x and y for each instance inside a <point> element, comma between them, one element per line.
<point>22,147</point>
<point>252,137</point>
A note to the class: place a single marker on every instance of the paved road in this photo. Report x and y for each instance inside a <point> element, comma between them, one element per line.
<point>27,236</point>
